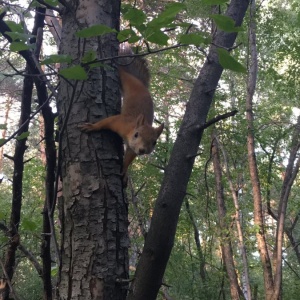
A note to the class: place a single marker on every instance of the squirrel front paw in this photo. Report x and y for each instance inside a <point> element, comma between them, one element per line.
<point>86,127</point>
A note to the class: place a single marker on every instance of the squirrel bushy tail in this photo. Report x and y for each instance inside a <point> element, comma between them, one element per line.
<point>136,66</point>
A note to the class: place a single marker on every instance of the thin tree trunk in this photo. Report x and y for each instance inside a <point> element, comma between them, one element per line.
<point>294,241</point>
<point>226,247</point>
<point>242,247</point>
<point>289,178</point>
<point>257,198</point>
<point>32,68</point>
<point>160,238</point>
<point>50,151</point>
<point>8,105</point>
<point>54,26</point>
<point>17,185</point>
<point>197,241</point>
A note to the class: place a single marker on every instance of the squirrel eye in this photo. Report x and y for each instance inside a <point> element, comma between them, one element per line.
<point>136,134</point>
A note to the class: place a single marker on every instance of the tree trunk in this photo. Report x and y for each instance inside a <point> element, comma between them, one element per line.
<point>93,210</point>
<point>257,198</point>
<point>17,185</point>
<point>289,178</point>
<point>160,238</point>
<point>198,243</point>
<point>238,222</point>
<point>19,167</point>
<point>8,105</point>
<point>235,290</point>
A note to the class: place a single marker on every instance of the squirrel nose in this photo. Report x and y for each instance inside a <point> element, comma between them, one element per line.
<point>142,151</point>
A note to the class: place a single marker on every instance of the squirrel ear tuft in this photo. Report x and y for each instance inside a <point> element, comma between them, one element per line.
<point>140,120</point>
<point>159,129</point>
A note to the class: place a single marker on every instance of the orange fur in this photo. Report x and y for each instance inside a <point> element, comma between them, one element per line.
<point>134,124</point>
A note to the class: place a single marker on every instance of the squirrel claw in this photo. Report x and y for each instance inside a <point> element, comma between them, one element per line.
<point>86,127</point>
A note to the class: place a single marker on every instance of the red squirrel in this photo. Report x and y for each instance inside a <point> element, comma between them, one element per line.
<point>134,123</point>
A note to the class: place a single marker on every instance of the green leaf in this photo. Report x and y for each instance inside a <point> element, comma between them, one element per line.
<point>97,64</point>
<point>134,16</point>
<point>75,72</point>
<point>15,27</point>
<point>168,15</point>
<point>19,46</point>
<point>126,34</point>
<point>52,2</point>
<point>19,36</point>
<point>89,56</point>
<point>2,213</point>
<point>225,23</point>
<point>3,126</point>
<point>256,228</point>
<point>214,2</point>
<point>133,39</point>
<point>4,239</point>
<point>54,271</point>
<point>56,58</point>
<point>23,135</point>
<point>194,39</point>
<point>29,225</point>
<point>228,62</point>
<point>2,141</point>
<point>156,36</point>
<point>172,9</point>
<point>94,30</point>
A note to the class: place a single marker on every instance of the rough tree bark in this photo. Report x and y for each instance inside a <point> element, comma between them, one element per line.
<point>94,238</point>
<point>255,182</point>
<point>160,238</point>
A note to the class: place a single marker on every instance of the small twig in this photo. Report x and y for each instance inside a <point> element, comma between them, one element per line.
<point>32,259</point>
<point>203,51</point>
<point>295,221</point>
<point>217,119</point>
<point>136,55</point>
<point>13,67</point>
<point>9,157</point>
<point>228,49</point>
<point>28,160</point>
<point>124,280</point>
<point>8,281</point>
<point>189,28</point>
<point>158,167</point>
<point>139,189</point>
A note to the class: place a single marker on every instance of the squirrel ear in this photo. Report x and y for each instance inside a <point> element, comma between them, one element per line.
<point>140,120</point>
<point>159,129</point>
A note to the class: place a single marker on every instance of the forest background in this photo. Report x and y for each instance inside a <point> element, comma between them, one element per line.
<point>237,235</point>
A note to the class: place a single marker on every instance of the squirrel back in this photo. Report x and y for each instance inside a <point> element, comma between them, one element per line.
<point>135,78</point>
<point>134,123</point>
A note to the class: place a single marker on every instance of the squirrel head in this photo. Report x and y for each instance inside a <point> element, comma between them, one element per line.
<point>142,139</point>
